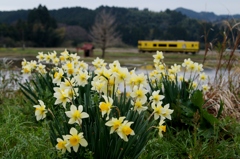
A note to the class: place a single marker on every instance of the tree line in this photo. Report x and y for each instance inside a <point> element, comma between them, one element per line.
<point>40,27</point>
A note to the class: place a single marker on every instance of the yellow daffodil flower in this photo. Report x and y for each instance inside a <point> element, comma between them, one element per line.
<point>75,139</point>
<point>106,106</point>
<point>161,128</point>
<point>76,114</point>
<point>205,88</point>
<point>82,78</point>
<point>156,97</point>
<point>166,112</point>
<point>114,123</point>
<point>61,144</point>
<point>62,96</point>
<point>40,111</point>
<point>138,105</point>
<point>124,130</point>
<point>158,110</point>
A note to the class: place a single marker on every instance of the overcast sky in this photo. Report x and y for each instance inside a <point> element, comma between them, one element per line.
<point>229,7</point>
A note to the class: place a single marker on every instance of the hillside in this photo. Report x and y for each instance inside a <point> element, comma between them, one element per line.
<point>207,16</point>
<point>72,25</point>
<point>86,16</point>
<point>13,16</point>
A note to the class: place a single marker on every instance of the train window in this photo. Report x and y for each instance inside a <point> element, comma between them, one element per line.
<point>139,44</point>
<point>145,44</point>
<point>172,45</point>
<point>154,44</point>
<point>192,45</point>
<point>162,45</point>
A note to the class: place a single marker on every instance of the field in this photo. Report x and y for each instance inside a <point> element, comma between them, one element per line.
<point>24,137</point>
<point>126,56</point>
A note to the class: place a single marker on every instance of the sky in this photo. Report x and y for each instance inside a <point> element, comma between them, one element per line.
<point>219,7</point>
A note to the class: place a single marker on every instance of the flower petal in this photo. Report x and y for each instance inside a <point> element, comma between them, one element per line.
<point>83,142</point>
<point>73,131</point>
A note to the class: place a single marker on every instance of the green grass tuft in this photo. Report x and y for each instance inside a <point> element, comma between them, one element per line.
<point>21,136</point>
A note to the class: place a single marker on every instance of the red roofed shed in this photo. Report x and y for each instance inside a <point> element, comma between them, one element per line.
<point>87,49</point>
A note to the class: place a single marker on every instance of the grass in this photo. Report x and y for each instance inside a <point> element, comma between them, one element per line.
<point>21,135</point>
<point>182,144</point>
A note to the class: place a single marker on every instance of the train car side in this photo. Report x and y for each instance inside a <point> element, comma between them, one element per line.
<point>169,46</point>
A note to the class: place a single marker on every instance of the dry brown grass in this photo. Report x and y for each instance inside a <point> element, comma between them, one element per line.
<point>225,89</point>
<point>228,92</point>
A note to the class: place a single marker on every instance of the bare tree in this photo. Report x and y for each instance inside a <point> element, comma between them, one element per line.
<point>103,32</point>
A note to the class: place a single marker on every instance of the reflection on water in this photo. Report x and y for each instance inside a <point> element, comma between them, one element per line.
<point>9,80</point>
<point>209,72</point>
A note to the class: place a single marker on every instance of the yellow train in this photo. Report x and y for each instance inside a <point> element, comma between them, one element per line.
<point>168,46</point>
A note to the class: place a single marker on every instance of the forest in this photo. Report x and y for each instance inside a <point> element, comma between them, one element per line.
<point>70,27</point>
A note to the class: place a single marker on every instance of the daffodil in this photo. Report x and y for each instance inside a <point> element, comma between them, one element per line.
<point>200,68</point>
<point>98,63</point>
<point>69,68</point>
<point>55,61</point>
<point>159,56</point>
<point>161,128</point>
<point>187,62</point>
<point>40,111</point>
<point>72,93</point>
<point>74,57</point>
<point>111,81</point>
<point>41,69</point>
<point>156,97</point>
<point>115,66</point>
<point>141,79</point>
<point>83,65</point>
<point>176,68</point>
<point>24,62</point>
<point>81,78</point>
<point>158,110</point>
<point>193,66</point>
<point>58,76</point>
<point>47,58</point>
<point>99,71</point>
<point>33,64</point>
<point>202,77</point>
<point>180,78</point>
<point>114,123</point>
<point>139,93</point>
<point>75,139</point>
<point>194,85</point>
<point>53,55</point>
<point>139,105</point>
<point>160,67</point>
<point>99,85</point>
<point>68,83</point>
<point>103,71</point>
<point>61,144</point>
<point>205,88</point>
<point>172,77</point>
<point>124,130</point>
<point>64,56</point>
<point>76,114</point>
<point>26,69</point>
<point>61,95</point>
<point>106,106</point>
<point>122,75</point>
<point>40,57</point>
<point>166,112</point>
